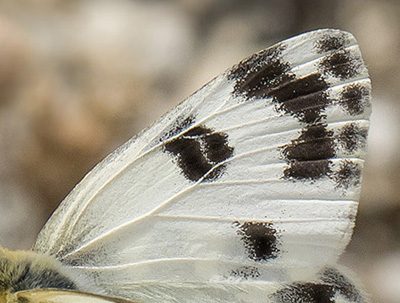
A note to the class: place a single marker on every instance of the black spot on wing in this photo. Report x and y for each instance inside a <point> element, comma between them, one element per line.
<point>341,64</point>
<point>259,239</point>
<point>305,292</point>
<point>217,148</point>
<point>331,41</point>
<point>308,155</point>
<point>341,285</point>
<point>267,75</point>
<point>355,98</point>
<point>258,75</point>
<point>246,272</point>
<point>307,170</point>
<point>349,174</point>
<point>303,98</point>
<point>199,151</point>
<point>314,143</point>
<point>190,157</point>
<point>351,137</point>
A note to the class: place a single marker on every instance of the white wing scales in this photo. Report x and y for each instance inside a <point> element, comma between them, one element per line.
<point>246,192</point>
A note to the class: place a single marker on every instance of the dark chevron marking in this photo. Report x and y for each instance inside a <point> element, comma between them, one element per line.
<point>260,240</point>
<point>198,150</point>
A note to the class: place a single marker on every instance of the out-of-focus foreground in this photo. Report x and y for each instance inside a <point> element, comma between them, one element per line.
<point>78,78</point>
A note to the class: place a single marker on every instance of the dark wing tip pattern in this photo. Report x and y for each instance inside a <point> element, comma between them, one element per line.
<point>271,74</point>
<point>330,61</point>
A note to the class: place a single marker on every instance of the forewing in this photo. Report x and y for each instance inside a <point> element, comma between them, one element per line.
<point>255,177</point>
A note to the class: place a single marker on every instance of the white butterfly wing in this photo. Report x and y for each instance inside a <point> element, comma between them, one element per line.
<point>250,184</point>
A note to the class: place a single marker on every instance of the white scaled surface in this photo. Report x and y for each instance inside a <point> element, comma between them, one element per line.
<point>245,192</point>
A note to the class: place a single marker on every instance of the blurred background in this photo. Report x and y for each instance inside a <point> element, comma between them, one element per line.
<point>79,78</point>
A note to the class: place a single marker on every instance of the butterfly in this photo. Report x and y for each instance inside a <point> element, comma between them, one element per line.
<point>245,192</point>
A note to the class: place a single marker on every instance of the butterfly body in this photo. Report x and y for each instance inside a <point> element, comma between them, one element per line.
<point>22,270</point>
<point>245,192</point>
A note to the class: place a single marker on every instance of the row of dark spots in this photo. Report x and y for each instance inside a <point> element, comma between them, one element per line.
<point>304,99</point>
<point>260,240</point>
<point>348,174</point>
<point>332,284</point>
<point>265,74</point>
<point>198,151</point>
<point>308,155</point>
<point>340,63</point>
